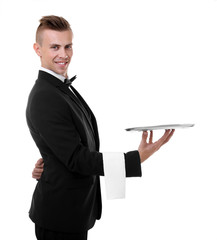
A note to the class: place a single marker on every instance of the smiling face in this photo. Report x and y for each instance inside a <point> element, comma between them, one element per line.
<point>55,50</point>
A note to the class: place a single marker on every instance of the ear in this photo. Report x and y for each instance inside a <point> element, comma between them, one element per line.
<point>37,49</point>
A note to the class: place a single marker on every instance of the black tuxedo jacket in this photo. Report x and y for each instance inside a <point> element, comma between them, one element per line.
<point>67,197</point>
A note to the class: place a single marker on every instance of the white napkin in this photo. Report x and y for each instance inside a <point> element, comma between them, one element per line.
<point>115,175</point>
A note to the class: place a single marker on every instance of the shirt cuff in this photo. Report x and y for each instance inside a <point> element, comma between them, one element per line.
<point>115,175</point>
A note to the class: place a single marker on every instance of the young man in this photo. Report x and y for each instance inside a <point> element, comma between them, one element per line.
<point>67,198</point>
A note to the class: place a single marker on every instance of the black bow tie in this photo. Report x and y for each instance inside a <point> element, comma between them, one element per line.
<point>68,82</point>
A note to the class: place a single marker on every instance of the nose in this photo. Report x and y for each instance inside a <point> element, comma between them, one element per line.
<point>63,53</point>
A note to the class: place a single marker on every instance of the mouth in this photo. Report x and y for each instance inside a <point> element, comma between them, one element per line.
<point>62,63</point>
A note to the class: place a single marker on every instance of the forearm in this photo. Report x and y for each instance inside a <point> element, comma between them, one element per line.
<point>133,164</point>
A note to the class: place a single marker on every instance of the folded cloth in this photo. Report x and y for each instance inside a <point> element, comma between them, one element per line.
<point>115,174</point>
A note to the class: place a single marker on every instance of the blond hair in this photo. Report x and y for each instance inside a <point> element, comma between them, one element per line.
<point>51,22</point>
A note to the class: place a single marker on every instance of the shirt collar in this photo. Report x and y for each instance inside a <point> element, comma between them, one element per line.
<point>60,77</point>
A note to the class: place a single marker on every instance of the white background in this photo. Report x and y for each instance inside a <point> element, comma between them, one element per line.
<point>138,63</point>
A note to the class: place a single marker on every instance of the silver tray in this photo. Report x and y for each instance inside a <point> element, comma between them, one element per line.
<point>157,127</point>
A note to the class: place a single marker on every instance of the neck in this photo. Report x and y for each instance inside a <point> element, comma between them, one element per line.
<point>61,77</point>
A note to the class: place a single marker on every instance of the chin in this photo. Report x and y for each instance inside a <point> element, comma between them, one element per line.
<point>61,72</point>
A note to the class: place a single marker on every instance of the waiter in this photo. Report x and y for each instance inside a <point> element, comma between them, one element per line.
<point>67,198</point>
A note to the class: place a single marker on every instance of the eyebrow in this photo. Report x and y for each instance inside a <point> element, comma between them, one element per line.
<point>58,45</point>
<point>70,44</point>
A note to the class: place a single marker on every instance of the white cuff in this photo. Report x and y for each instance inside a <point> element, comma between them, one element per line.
<point>115,175</point>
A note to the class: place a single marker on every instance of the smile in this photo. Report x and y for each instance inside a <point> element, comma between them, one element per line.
<point>61,63</point>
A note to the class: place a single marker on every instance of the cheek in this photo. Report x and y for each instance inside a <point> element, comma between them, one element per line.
<point>51,56</point>
<point>70,53</point>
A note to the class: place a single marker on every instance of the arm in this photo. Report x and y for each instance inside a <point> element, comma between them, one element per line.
<point>146,149</point>
<point>60,134</point>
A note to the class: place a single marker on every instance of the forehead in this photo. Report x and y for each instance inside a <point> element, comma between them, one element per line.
<point>56,37</point>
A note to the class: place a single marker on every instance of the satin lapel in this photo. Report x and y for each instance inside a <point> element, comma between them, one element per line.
<point>82,105</point>
<point>93,120</point>
<point>44,76</point>
<point>81,99</point>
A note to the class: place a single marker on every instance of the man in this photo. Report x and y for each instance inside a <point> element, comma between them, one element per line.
<point>67,198</point>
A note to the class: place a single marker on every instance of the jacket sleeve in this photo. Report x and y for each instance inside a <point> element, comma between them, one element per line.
<point>52,118</point>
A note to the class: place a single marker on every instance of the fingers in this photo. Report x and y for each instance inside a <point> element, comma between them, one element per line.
<point>165,138</point>
<point>36,173</point>
<point>146,149</point>
<point>169,136</point>
<point>151,137</point>
<point>40,161</point>
<point>145,136</point>
<point>36,176</point>
<point>39,168</point>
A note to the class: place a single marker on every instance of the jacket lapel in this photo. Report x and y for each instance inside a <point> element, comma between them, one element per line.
<point>77,99</point>
<point>93,122</point>
<point>80,103</point>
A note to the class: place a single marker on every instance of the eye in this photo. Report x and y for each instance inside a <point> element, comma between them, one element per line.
<point>69,47</point>
<point>55,47</point>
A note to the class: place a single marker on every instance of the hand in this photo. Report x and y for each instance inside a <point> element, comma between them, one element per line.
<point>37,171</point>
<point>146,149</point>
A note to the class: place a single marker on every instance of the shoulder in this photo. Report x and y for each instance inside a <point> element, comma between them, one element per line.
<point>45,97</point>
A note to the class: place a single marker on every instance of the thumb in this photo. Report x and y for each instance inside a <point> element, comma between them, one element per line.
<point>144,136</point>
<point>143,140</point>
